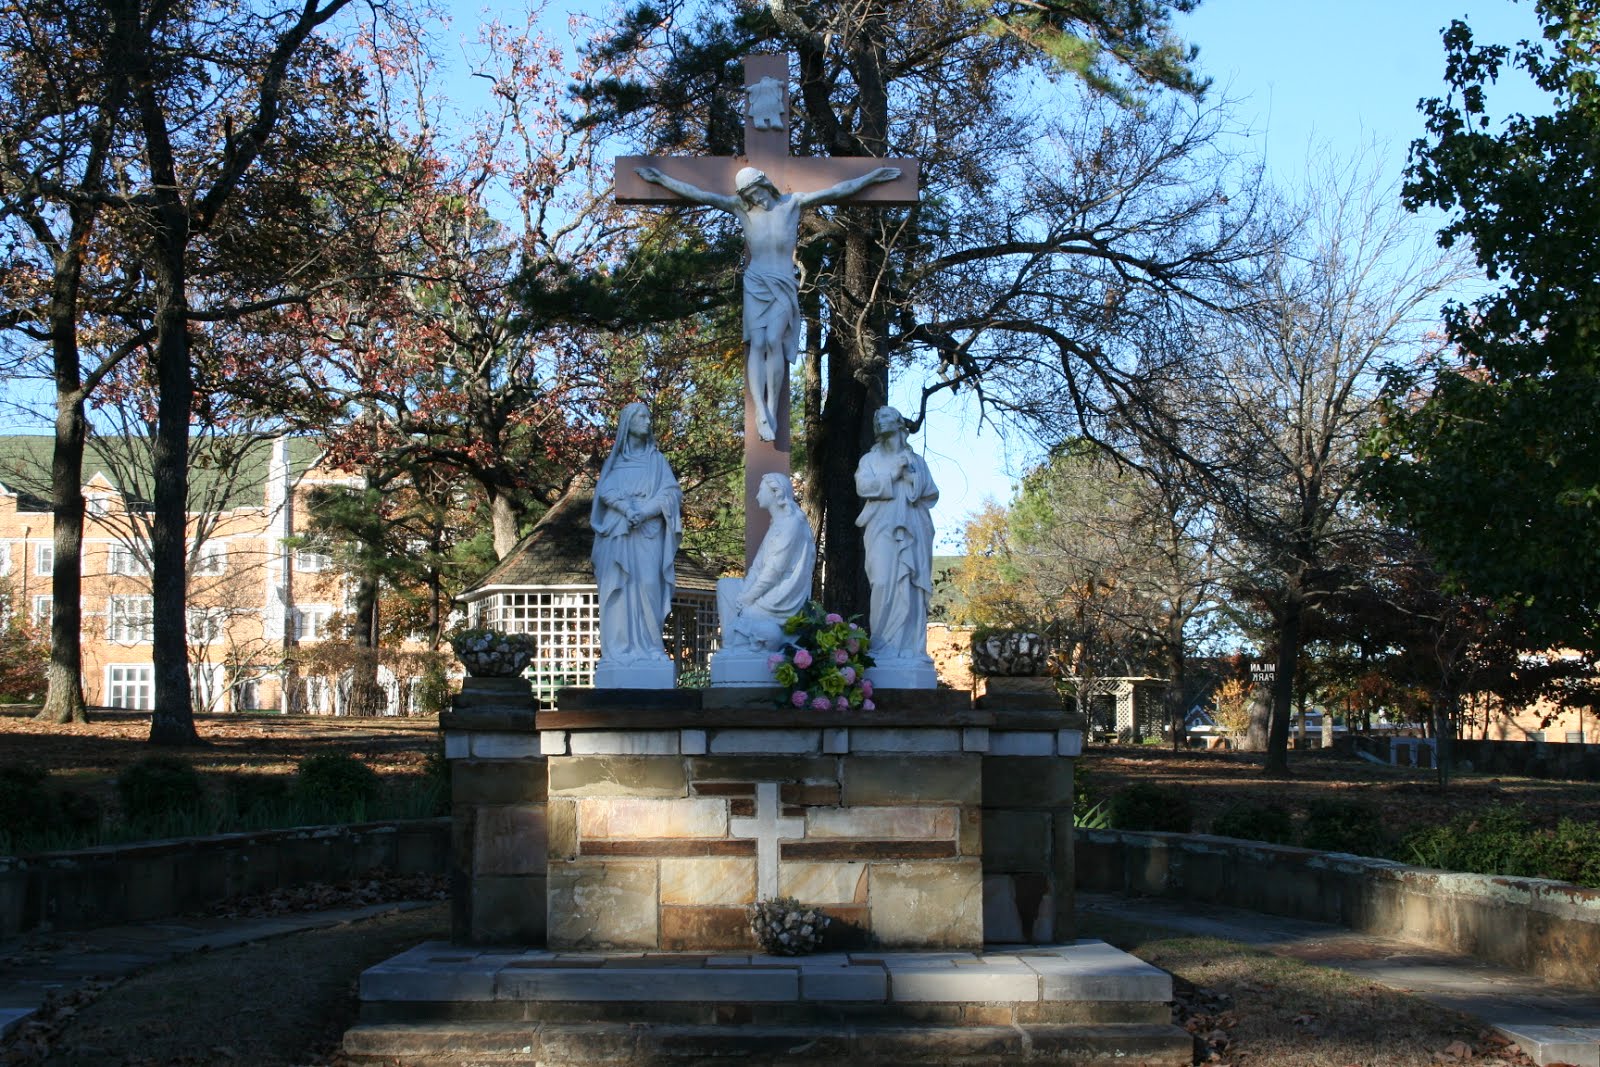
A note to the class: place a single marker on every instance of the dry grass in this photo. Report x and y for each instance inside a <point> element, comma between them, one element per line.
<point>274,1003</point>
<point>1250,1008</point>
<point>1405,797</point>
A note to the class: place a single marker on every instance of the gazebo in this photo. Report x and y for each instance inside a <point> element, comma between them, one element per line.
<point>545,587</point>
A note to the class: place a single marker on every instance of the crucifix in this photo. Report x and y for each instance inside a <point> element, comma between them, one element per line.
<point>766,189</point>
<point>768,827</point>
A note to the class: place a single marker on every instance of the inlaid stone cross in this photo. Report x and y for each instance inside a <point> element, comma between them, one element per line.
<point>766,188</point>
<point>768,827</point>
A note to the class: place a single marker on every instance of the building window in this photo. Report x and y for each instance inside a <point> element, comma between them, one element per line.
<point>205,686</point>
<point>130,620</point>
<point>44,559</point>
<point>311,623</point>
<point>5,558</point>
<point>98,505</point>
<point>307,560</point>
<point>131,686</point>
<point>44,612</point>
<point>245,695</point>
<point>206,624</point>
<point>125,561</point>
<point>213,559</point>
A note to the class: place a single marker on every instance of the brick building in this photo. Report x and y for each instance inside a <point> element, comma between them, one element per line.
<point>252,597</point>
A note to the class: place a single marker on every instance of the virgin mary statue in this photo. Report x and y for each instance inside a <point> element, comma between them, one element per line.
<point>637,520</point>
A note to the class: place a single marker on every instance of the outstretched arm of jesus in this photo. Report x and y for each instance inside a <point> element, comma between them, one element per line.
<point>847,188</point>
<point>687,191</point>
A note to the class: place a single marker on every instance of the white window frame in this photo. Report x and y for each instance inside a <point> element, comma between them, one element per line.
<point>97,505</point>
<point>130,620</point>
<point>5,558</point>
<point>205,626</point>
<point>212,559</point>
<point>320,615</point>
<point>122,559</point>
<point>131,686</point>
<point>308,561</point>
<point>42,611</point>
<point>44,558</point>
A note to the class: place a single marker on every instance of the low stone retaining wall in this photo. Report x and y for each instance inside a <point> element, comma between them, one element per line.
<point>156,879</point>
<point>1533,925</point>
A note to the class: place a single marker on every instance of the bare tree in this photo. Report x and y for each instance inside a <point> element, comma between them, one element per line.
<point>1269,421</point>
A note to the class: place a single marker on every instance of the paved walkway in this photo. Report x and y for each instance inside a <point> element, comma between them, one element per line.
<point>38,964</point>
<point>1553,1024</point>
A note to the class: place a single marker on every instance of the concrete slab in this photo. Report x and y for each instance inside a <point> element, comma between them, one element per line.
<point>649,984</point>
<point>1578,1046</point>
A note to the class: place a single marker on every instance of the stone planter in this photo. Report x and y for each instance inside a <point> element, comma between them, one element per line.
<point>1010,654</point>
<point>493,655</point>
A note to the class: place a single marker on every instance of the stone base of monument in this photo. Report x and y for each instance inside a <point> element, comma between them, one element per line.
<point>646,674</point>
<point>607,852</point>
<point>1077,1003</point>
<point>743,670</point>
<point>904,674</point>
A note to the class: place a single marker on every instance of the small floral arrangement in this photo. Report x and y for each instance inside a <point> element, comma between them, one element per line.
<point>824,663</point>
<point>785,927</point>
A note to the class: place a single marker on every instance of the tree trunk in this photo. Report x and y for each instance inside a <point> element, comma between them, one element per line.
<point>1283,687</point>
<point>1177,713</point>
<point>172,722</point>
<point>63,700</point>
<point>1257,731</point>
<point>504,515</point>
<point>858,374</point>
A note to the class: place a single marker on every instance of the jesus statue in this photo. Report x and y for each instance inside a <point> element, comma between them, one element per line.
<point>771,223</point>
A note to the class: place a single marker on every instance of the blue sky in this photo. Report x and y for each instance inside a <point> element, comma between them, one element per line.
<point>1335,75</point>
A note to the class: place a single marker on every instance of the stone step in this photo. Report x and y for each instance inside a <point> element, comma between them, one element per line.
<point>626,1044</point>
<point>1033,984</point>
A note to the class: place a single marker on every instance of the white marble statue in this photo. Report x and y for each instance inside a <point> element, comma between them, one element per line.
<point>637,520</point>
<point>771,223</point>
<point>779,581</point>
<point>898,494</point>
<point>754,608</point>
<point>766,105</point>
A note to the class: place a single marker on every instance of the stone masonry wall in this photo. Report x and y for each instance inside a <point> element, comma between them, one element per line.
<point>1533,925</point>
<point>661,839</point>
<point>498,787</point>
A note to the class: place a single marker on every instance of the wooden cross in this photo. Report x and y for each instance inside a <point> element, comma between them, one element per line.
<point>768,828</point>
<point>766,147</point>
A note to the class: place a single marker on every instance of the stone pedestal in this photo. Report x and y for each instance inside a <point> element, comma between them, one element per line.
<point>650,674</point>
<point>740,669</point>
<point>652,820</point>
<point>498,788</point>
<point>904,674</point>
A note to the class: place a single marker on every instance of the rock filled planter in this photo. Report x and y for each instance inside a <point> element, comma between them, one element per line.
<point>491,654</point>
<point>1009,654</point>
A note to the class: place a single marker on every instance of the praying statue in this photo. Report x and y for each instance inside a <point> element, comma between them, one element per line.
<point>754,609</point>
<point>897,528</point>
<point>637,520</point>
<point>771,223</point>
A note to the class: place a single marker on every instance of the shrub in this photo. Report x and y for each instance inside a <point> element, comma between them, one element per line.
<point>159,787</point>
<point>1143,806</point>
<point>24,804</point>
<point>1501,839</point>
<point>1256,822</point>
<point>254,797</point>
<point>1345,826</point>
<point>1569,853</point>
<point>337,782</point>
